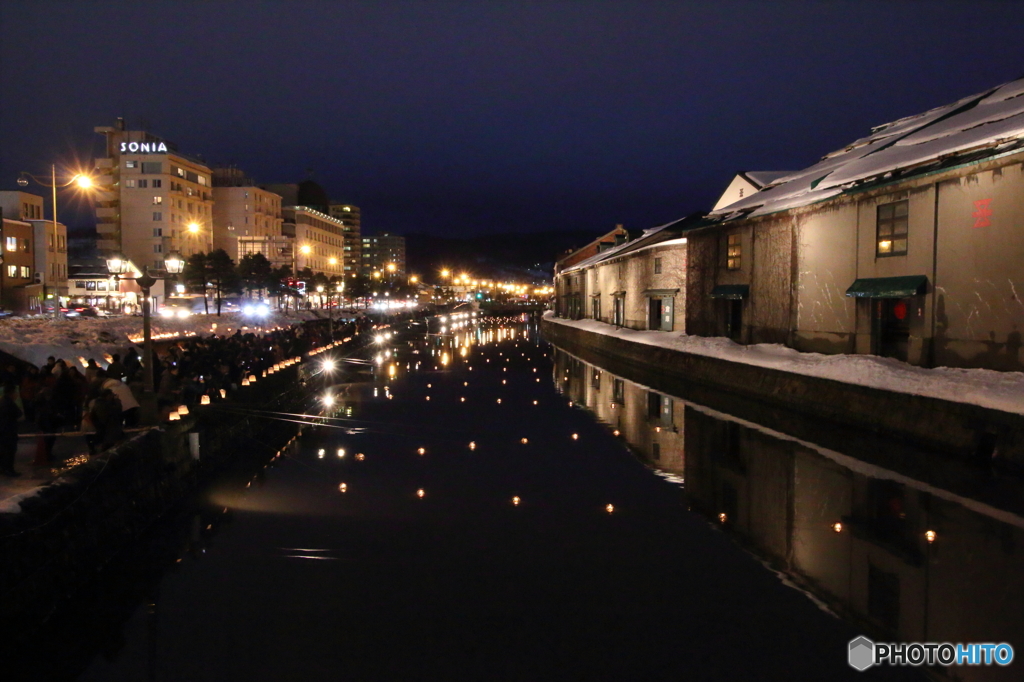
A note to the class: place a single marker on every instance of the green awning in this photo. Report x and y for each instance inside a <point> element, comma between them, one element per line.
<point>889,287</point>
<point>732,291</point>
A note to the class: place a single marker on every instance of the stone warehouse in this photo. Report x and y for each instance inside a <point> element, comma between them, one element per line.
<point>907,243</point>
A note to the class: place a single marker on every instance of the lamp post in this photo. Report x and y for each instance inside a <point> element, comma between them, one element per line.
<point>83,181</point>
<point>118,264</point>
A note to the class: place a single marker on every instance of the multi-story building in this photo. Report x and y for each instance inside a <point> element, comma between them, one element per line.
<point>18,287</point>
<point>318,239</point>
<point>91,284</point>
<point>18,205</point>
<point>247,218</point>
<point>48,246</point>
<point>349,215</point>
<point>380,252</point>
<point>51,259</point>
<point>151,199</point>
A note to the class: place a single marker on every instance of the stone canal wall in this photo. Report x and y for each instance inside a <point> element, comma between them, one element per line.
<point>965,430</point>
<point>75,525</point>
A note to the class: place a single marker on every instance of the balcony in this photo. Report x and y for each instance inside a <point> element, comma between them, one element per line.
<point>106,212</point>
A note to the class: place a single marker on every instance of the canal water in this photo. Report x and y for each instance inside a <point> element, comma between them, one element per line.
<point>473,504</point>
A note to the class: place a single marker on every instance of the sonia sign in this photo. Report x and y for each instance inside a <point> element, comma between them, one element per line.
<point>144,147</point>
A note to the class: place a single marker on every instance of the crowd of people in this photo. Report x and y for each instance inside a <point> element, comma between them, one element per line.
<point>101,401</point>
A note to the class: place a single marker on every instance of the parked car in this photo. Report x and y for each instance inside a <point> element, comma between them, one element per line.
<point>86,311</point>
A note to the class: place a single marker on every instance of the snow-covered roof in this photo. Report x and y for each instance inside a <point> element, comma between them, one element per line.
<point>763,178</point>
<point>992,120</point>
<point>649,237</point>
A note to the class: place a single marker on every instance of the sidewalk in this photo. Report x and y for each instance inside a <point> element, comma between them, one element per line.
<point>69,450</point>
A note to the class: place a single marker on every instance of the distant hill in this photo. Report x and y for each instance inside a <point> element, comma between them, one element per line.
<point>497,256</point>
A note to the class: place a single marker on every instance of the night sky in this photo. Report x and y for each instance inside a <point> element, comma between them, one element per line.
<point>484,117</point>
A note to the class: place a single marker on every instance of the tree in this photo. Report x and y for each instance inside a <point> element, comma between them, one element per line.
<point>278,287</point>
<point>222,276</point>
<point>255,273</point>
<point>194,275</point>
<point>357,288</point>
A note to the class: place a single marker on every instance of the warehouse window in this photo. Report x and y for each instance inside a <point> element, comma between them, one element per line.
<point>733,252</point>
<point>892,228</point>
<point>657,266</point>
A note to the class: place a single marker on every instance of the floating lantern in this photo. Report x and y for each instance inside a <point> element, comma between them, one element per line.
<point>575,436</point>
<point>341,452</point>
<point>462,400</point>
<point>722,518</point>
<point>252,378</point>
<point>428,397</point>
<point>930,536</point>
<point>204,399</point>
<point>421,493</point>
<point>515,501</point>
<point>183,410</point>
<point>245,382</point>
<point>837,527</point>
<point>421,451</point>
<point>343,487</point>
<point>173,416</point>
<point>472,445</point>
<point>524,441</point>
<point>223,393</point>
<point>609,508</point>
<point>616,432</point>
<point>320,453</point>
<point>360,457</point>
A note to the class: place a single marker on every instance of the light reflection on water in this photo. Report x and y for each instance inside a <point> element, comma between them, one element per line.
<point>903,558</point>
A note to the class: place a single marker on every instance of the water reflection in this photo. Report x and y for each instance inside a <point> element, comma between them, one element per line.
<point>885,547</point>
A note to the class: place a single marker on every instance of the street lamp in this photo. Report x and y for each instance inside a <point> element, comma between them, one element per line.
<point>118,264</point>
<point>80,180</point>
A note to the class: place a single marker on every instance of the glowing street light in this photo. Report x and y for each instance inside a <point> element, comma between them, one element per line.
<point>81,181</point>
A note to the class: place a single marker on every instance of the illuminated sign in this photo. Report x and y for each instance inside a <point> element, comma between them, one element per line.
<point>143,147</point>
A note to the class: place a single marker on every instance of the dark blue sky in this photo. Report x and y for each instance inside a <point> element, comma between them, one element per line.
<point>468,118</point>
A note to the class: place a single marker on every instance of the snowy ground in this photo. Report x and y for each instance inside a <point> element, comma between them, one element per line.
<point>35,338</point>
<point>986,388</point>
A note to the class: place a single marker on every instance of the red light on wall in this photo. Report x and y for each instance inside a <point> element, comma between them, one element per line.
<point>982,213</point>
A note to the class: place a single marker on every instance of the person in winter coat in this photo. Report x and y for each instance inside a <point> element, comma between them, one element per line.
<point>105,414</point>
<point>116,369</point>
<point>129,405</point>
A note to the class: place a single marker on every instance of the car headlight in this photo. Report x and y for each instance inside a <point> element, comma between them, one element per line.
<point>247,310</point>
<point>263,310</point>
<point>182,314</point>
<point>166,312</point>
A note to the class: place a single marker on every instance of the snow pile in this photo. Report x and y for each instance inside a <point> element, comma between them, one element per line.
<point>36,338</point>
<point>983,387</point>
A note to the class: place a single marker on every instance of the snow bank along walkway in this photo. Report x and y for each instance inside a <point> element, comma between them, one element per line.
<point>951,409</point>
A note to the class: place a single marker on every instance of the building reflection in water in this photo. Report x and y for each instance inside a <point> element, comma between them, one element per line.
<point>900,558</point>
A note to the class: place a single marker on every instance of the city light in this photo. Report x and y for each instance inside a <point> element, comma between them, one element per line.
<point>328,400</point>
<point>193,227</point>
